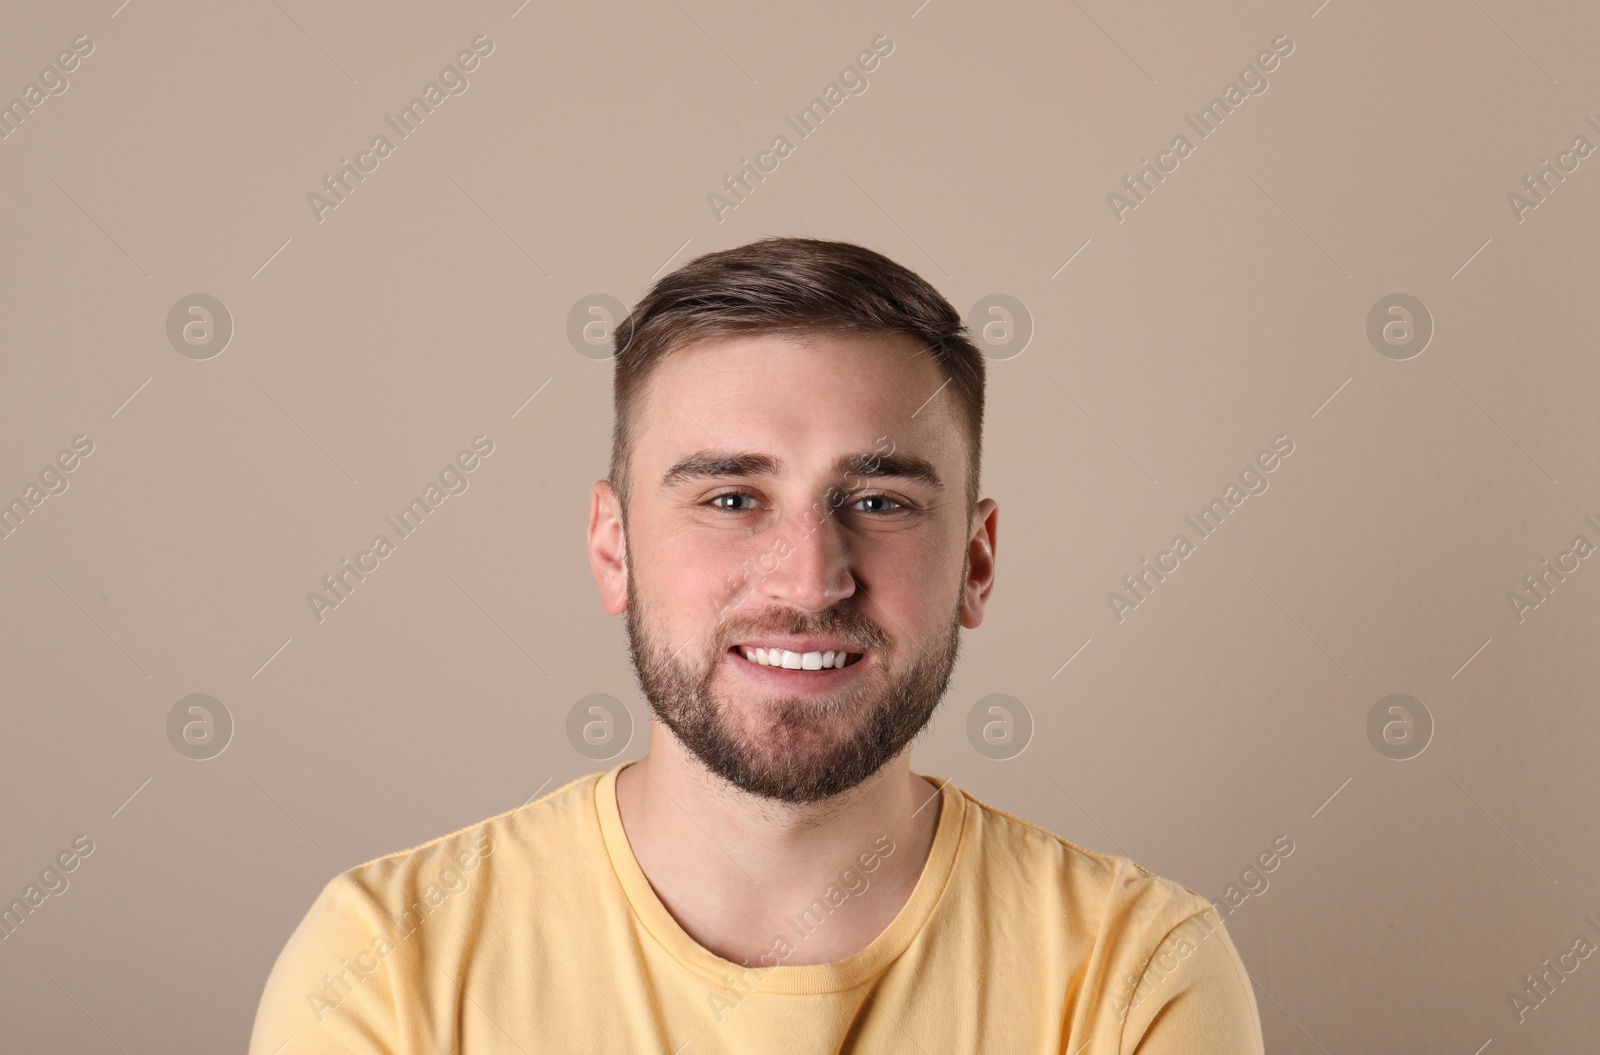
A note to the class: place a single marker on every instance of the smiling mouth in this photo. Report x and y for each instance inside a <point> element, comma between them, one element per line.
<point>783,659</point>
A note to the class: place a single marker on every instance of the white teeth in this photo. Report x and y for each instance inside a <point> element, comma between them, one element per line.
<point>777,657</point>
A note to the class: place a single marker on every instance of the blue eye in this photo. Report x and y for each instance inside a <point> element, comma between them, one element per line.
<point>880,498</point>
<point>896,503</point>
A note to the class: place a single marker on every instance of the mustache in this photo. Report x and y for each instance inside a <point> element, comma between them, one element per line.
<point>860,633</point>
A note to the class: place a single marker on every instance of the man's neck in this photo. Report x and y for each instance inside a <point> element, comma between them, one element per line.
<point>734,869</point>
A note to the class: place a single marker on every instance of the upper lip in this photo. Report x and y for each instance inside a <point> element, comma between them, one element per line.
<point>802,645</point>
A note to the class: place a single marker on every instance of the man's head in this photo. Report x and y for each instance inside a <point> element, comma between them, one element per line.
<point>795,463</point>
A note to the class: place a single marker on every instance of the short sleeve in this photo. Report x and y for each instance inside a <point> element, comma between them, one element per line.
<point>1194,996</point>
<point>331,989</point>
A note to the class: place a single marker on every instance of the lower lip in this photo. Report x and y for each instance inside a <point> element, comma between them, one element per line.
<point>798,681</point>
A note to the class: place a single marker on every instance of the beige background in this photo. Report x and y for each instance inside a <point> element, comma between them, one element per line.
<point>1229,709</point>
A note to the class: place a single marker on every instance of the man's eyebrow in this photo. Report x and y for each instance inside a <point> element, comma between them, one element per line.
<point>721,464</point>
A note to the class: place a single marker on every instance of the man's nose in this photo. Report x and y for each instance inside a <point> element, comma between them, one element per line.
<point>814,561</point>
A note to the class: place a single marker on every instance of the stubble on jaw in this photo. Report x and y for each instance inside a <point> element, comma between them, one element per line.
<point>791,750</point>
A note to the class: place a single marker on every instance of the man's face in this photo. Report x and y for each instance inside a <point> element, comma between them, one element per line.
<point>786,490</point>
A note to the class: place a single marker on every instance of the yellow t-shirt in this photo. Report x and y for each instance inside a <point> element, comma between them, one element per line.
<point>536,932</point>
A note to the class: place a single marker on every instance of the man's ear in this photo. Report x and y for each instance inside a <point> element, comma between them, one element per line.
<point>608,548</point>
<point>980,557</point>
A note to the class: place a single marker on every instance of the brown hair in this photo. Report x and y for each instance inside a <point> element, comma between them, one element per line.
<point>791,286</point>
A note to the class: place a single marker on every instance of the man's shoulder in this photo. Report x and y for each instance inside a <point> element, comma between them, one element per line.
<point>531,843</point>
<point>1149,959</point>
<point>1106,889</point>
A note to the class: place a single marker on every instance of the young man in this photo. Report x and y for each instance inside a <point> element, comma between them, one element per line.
<point>792,528</point>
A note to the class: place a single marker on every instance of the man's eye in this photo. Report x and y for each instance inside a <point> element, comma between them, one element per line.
<point>881,498</point>
<point>715,502</point>
<point>727,509</point>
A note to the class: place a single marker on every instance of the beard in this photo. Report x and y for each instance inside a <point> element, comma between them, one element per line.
<point>786,748</point>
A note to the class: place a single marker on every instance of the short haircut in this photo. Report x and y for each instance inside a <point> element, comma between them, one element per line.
<point>794,287</point>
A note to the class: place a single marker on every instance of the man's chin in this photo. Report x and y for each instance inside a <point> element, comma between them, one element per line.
<point>776,723</point>
<point>789,778</point>
<point>798,746</point>
<point>765,716</point>
<point>782,749</point>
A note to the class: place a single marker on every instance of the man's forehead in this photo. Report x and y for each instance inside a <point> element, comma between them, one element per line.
<point>791,386</point>
<point>883,461</point>
<point>775,405</point>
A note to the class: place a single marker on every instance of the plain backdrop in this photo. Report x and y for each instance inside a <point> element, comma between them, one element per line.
<point>1246,698</point>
